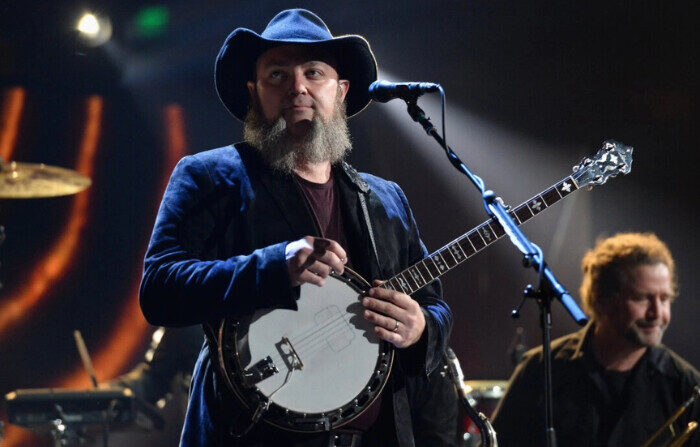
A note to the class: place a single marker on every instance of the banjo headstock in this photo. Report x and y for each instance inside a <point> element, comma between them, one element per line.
<point>612,159</point>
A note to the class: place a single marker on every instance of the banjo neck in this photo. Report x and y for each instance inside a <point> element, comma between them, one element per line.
<point>612,159</point>
<point>472,242</point>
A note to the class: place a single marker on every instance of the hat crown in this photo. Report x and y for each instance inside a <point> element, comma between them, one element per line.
<point>238,55</point>
<point>298,25</point>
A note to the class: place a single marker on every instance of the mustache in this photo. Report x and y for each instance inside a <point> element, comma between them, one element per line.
<point>299,103</point>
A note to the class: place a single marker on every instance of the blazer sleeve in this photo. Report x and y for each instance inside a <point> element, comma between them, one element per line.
<point>182,283</point>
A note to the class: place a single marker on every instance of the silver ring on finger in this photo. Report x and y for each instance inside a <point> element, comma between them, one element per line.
<point>396,326</point>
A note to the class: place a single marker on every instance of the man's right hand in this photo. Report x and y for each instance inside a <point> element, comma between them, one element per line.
<point>311,260</point>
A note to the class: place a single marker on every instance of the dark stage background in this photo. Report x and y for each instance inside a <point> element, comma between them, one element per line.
<point>531,86</point>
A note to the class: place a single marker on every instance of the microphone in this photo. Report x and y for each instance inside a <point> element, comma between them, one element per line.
<point>383,91</point>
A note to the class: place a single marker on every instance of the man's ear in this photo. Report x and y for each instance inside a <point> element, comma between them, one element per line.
<point>344,85</point>
<point>251,87</point>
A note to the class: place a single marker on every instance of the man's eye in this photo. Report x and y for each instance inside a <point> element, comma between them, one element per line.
<point>313,73</point>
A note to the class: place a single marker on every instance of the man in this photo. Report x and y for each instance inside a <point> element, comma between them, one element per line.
<point>243,226</point>
<point>614,383</point>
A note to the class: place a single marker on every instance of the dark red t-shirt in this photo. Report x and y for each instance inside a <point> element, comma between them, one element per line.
<point>324,201</point>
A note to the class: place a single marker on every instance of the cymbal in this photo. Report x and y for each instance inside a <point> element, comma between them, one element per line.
<point>36,180</point>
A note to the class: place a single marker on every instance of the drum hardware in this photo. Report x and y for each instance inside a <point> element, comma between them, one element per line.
<point>73,416</point>
<point>68,415</point>
<point>676,440</point>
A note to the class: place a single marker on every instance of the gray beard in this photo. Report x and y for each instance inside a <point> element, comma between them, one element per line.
<point>325,140</point>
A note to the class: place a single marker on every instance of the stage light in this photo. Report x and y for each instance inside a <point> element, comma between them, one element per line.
<point>89,25</point>
<point>93,29</point>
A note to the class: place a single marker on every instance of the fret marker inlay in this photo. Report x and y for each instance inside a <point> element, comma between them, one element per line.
<point>439,263</point>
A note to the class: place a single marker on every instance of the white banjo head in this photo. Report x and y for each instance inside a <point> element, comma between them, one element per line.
<point>329,363</point>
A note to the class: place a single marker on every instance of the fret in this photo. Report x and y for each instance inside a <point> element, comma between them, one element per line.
<point>550,196</point>
<point>447,256</point>
<point>523,213</point>
<point>486,233</point>
<point>497,228</point>
<point>536,205</point>
<point>424,271</point>
<point>432,267</point>
<point>556,188</point>
<point>417,277</point>
<point>514,217</point>
<point>457,252</point>
<point>467,249</point>
<point>476,240</point>
<point>387,285</point>
<point>439,262</point>
<point>393,284</point>
<point>409,280</point>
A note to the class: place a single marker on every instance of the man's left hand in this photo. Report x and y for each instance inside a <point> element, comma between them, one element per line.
<point>397,317</point>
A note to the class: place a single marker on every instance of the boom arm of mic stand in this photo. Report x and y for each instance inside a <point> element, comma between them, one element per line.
<point>418,115</point>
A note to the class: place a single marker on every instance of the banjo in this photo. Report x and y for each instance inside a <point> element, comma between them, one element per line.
<point>320,366</point>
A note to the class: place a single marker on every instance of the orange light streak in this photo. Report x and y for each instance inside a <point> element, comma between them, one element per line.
<point>54,265</point>
<point>130,332</point>
<point>11,113</point>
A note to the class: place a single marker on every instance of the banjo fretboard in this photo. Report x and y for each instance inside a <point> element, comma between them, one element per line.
<point>456,252</point>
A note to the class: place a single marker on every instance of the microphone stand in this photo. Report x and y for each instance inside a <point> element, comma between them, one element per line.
<point>548,289</point>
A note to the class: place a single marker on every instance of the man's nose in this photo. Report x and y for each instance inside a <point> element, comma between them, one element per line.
<point>653,307</point>
<point>298,86</point>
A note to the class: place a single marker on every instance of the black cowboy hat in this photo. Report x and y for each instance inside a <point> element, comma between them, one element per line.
<point>235,64</point>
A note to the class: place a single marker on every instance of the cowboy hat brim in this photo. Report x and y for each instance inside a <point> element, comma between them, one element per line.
<point>235,65</point>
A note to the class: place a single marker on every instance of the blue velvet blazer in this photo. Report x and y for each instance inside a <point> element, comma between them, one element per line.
<point>218,250</point>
